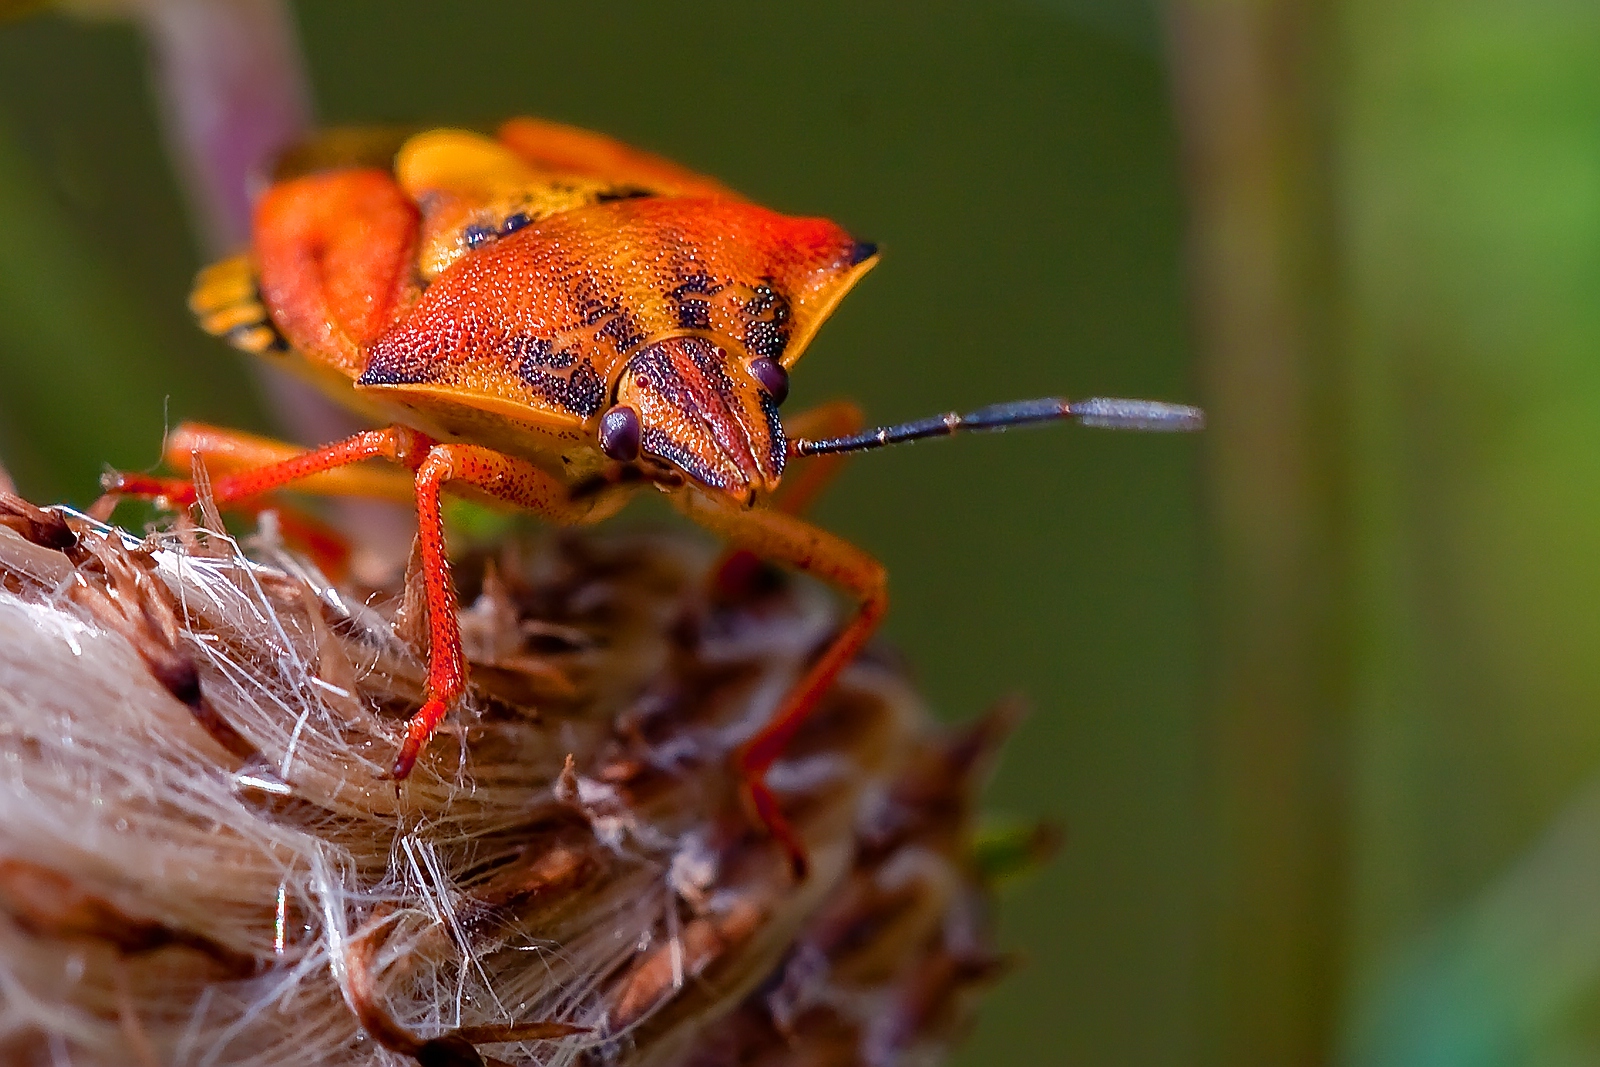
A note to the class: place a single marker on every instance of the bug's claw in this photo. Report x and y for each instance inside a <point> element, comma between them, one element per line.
<point>176,492</point>
<point>764,806</point>
<point>115,481</point>
<point>418,730</point>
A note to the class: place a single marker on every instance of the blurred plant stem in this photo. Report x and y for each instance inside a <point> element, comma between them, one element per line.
<point>1247,76</point>
<point>233,91</point>
<point>1395,253</point>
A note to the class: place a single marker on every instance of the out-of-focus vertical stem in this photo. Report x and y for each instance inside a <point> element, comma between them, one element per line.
<point>234,93</point>
<point>1247,74</point>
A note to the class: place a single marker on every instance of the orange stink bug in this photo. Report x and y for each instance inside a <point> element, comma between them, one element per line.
<point>556,321</point>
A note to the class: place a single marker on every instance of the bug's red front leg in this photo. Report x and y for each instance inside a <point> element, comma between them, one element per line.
<point>276,466</point>
<point>787,540</point>
<point>513,480</point>
<point>228,451</point>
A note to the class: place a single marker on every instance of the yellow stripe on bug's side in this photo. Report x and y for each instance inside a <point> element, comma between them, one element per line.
<point>227,302</point>
<point>224,284</point>
<point>228,319</point>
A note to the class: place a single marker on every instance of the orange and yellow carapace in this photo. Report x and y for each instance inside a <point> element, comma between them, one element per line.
<point>558,321</point>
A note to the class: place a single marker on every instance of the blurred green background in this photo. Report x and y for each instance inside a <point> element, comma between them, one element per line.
<point>1317,696</point>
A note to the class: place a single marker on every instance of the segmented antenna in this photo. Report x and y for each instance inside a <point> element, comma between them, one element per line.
<point>1108,413</point>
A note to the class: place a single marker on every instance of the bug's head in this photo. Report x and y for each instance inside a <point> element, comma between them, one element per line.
<point>704,409</point>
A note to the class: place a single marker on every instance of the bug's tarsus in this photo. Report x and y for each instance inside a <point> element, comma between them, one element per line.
<point>1109,413</point>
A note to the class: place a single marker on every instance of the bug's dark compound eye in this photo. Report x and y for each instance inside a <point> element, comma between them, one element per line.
<point>619,433</point>
<point>771,377</point>
<point>477,235</point>
<point>514,223</point>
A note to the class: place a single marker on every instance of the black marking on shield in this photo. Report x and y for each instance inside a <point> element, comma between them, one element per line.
<point>766,331</point>
<point>860,252</point>
<point>586,390</point>
<point>622,192</point>
<point>623,331</point>
<point>694,314</point>
<point>391,365</point>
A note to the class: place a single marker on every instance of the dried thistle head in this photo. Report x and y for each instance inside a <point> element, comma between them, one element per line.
<point>201,861</point>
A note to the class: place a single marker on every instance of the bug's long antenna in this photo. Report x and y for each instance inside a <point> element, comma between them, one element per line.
<point>1105,412</point>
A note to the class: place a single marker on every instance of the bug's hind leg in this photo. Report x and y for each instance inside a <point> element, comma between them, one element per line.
<point>793,542</point>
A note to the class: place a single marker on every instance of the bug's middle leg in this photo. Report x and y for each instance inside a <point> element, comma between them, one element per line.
<point>228,451</point>
<point>736,572</point>
<point>398,444</point>
<point>794,542</point>
<point>836,418</point>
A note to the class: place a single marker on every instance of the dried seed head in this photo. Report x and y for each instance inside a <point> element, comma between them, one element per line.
<point>194,817</point>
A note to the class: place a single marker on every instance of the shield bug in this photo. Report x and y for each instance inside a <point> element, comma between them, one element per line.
<point>557,321</point>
